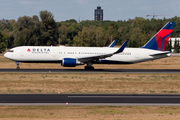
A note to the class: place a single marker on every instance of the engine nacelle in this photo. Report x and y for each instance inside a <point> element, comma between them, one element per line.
<point>70,62</point>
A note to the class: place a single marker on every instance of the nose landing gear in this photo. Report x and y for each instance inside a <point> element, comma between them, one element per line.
<point>18,68</point>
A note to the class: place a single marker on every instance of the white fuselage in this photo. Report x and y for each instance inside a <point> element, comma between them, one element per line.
<point>55,54</point>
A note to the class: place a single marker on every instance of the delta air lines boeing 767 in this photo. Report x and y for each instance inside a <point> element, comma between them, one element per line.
<point>73,56</point>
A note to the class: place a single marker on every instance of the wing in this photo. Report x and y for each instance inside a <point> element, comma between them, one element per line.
<point>102,56</point>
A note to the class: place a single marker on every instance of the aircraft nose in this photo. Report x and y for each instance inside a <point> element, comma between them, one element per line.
<point>7,55</point>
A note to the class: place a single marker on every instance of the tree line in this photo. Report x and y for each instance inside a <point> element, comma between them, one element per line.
<point>45,31</point>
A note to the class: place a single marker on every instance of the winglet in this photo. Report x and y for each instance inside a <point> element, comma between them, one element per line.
<point>121,48</point>
<point>113,43</point>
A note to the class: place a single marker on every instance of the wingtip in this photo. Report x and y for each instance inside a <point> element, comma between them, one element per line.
<point>122,47</point>
<point>113,43</point>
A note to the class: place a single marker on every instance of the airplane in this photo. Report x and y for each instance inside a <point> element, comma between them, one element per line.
<point>73,56</point>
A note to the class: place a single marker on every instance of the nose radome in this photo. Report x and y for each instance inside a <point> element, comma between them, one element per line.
<point>7,55</point>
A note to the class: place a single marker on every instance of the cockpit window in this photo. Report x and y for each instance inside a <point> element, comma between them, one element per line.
<point>11,51</point>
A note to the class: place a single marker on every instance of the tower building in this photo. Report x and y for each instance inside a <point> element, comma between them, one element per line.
<point>98,14</point>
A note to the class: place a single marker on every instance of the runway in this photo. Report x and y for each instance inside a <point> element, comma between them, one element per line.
<point>90,99</point>
<point>91,71</point>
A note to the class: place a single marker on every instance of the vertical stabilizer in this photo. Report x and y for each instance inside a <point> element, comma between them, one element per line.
<point>160,40</point>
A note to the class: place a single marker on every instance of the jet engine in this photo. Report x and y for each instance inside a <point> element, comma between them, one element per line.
<point>70,62</point>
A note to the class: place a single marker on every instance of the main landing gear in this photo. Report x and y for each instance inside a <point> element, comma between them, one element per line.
<point>89,66</point>
<point>18,68</point>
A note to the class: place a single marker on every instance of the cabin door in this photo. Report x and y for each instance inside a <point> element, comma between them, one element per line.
<point>137,55</point>
<point>21,53</point>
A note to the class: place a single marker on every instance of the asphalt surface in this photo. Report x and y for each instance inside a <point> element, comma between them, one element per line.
<point>91,71</point>
<point>90,99</point>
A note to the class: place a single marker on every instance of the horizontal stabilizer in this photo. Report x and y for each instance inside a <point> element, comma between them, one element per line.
<point>161,53</point>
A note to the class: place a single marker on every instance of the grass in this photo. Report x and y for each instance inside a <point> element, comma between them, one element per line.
<point>89,83</point>
<point>88,112</point>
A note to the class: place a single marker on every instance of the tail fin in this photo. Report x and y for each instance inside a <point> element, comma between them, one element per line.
<point>160,40</point>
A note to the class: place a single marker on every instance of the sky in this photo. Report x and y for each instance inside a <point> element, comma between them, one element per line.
<point>114,10</point>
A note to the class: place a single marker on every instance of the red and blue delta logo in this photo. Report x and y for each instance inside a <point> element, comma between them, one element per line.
<point>28,50</point>
<point>38,50</point>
